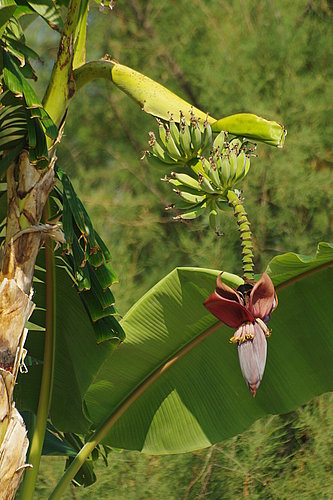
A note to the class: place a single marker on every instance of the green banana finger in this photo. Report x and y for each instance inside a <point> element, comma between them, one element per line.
<point>236,145</point>
<point>212,219</point>
<point>181,187</point>
<point>214,176</point>
<point>172,148</point>
<point>188,197</point>
<point>193,214</point>
<point>247,166</point>
<point>244,172</point>
<point>200,166</point>
<point>185,140</point>
<point>157,162</point>
<point>219,141</point>
<point>186,180</point>
<point>183,205</point>
<point>215,221</point>
<point>233,165</point>
<point>162,155</point>
<point>162,133</point>
<point>224,170</point>
<point>196,136</point>
<point>205,166</point>
<point>174,131</point>
<point>241,162</point>
<point>206,136</point>
<point>206,185</point>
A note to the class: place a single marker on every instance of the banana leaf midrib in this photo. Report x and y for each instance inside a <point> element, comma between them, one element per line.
<point>303,275</point>
<point>154,374</point>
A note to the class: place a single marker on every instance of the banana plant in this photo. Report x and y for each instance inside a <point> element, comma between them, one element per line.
<point>171,385</point>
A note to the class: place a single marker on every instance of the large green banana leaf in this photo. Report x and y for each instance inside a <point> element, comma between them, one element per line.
<point>202,398</point>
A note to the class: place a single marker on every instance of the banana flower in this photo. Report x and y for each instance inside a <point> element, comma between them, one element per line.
<point>248,310</point>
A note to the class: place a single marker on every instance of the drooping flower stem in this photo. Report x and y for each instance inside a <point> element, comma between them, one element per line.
<point>244,227</point>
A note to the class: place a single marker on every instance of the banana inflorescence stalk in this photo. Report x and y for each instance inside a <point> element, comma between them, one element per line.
<point>209,184</point>
<point>245,233</point>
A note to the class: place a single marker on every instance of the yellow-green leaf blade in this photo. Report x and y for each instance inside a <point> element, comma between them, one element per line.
<point>254,127</point>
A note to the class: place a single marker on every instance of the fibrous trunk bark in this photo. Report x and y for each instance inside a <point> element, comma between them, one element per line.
<point>28,190</point>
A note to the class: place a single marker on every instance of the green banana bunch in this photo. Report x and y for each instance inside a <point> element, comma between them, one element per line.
<point>230,161</point>
<point>204,188</point>
<point>179,143</point>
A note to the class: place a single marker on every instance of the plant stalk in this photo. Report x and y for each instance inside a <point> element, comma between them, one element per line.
<point>61,86</point>
<point>45,395</point>
<point>27,193</point>
<point>244,228</point>
<point>92,70</point>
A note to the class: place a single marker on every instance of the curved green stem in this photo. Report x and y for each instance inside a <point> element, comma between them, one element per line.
<point>245,234</point>
<point>103,429</point>
<point>92,70</point>
<point>61,85</point>
<point>47,374</point>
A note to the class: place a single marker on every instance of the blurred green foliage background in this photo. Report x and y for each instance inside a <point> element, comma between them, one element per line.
<point>269,57</point>
<point>266,57</point>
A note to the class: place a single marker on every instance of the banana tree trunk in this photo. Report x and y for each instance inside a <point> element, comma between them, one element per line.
<point>27,190</point>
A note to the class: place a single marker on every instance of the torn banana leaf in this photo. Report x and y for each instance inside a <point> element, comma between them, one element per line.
<point>161,102</point>
<point>254,127</point>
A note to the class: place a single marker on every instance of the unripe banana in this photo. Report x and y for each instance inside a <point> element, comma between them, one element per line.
<point>188,197</point>
<point>215,222</point>
<point>247,166</point>
<point>219,141</point>
<point>162,133</point>
<point>182,187</point>
<point>206,136</point>
<point>213,219</point>
<point>174,131</point>
<point>233,166</point>
<point>193,214</point>
<point>241,162</point>
<point>236,145</point>
<point>206,185</point>
<point>195,136</point>
<point>205,166</point>
<point>213,174</point>
<point>224,170</point>
<point>184,205</point>
<point>172,148</point>
<point>186,180</point>
<point>162,155</point>
<point>185,140</point>
<point>156,162</point>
